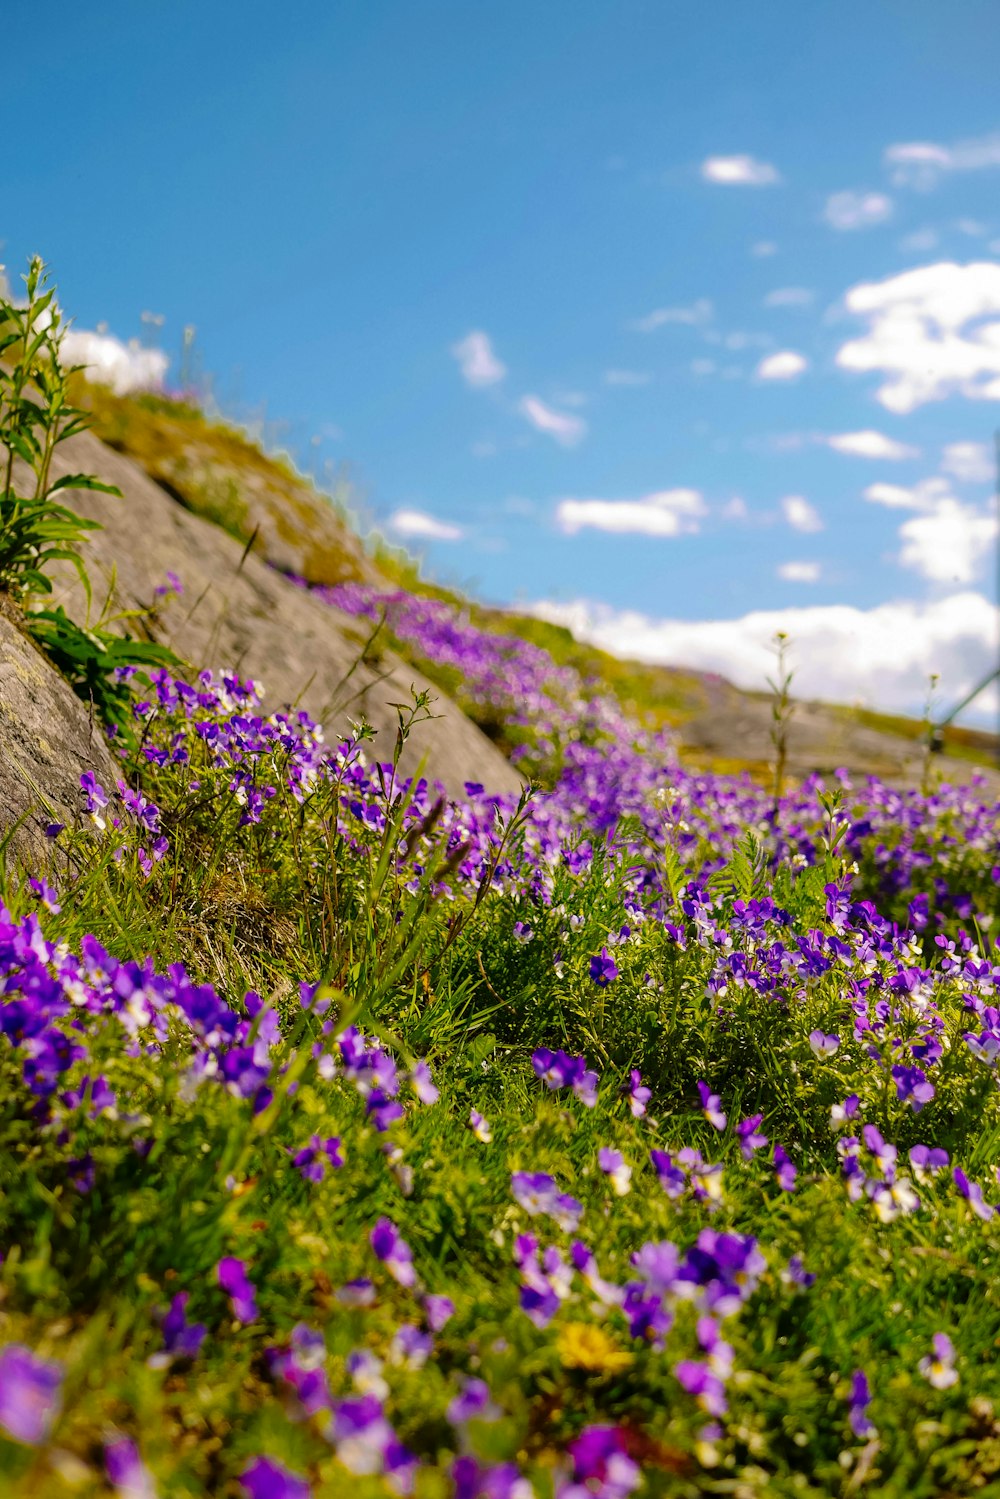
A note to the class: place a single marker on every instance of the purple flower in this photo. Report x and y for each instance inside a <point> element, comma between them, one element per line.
<point>181,1339</point>
<point>473,1403</point>
<point>824,1045</point>
<point>973,1194</point>
<point>411,1347</point>
<point>266,1479</point>
<point>232,1277</point>
<point>939,1367</point>
<point>394,1252</point>
<point>795,1273</point>
<point>46,896</point>
<point>534,1191</point>
<point>750,1139</point>
<point>710,1107</point>
<point>423,1084</point>
<point>480,1127</point>
<point>127,1473</point>
<point>312,1159</point>
<point>438,1310</point>
<point>603,968</point>
<point>704,1384</point>
<point>912,1087</point>
<point>785,1169</point>
<point>30,1393</point>
<point>859,1401</point>
<point>841,1112</point>
<point>601,1464</point>
<point>926,1161</point>
<point>612,1163</point>
<point>638,1095</point>
<point>472,1480</point>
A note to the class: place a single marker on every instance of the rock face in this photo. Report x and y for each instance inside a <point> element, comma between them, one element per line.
<point>237,613</point>
<point>47,741</point>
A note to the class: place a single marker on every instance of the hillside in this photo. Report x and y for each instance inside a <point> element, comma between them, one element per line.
<point>217,473</point>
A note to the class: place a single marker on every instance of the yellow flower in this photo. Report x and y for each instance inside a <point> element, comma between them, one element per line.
<point>583,1346</point>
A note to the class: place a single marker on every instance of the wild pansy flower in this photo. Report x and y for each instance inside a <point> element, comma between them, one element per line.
<point>46,896</point>
<point>423,1084</point>
<point>704,1384</point>
<point>672,1178</point>
<point>394,1252</point>
<point>360,1292</point>
<point>410,1347</point>
<point>480,1127</point>
<point>938,1367</point>
<point>795,1274</point>
<point>601,1466</point>
<point>438,1310</point>
<point>30,1393</point>
<point>474,1480</point>
<point>823,1045</point>
<point>365,1370</point>
<point>232,1277</point>
<point>710,1106</point>
<point>603,968</point>
<point>96,798</point>
<point>749,1136</point>
<point>127,1473</point>
<point>785,1170</point>
<point>267,1479</point>
<point>558,1070</point>
<point>473,1403</point>
<point>912,1087</point>
<point>312,1160</point>
<point>181,1339</point>
<point>926,1161</point>
<point>638,1095</point>
<point>858,1403</point>
<point>612,1163</point>
<point>840,1113</point>
<point>973,1194</point>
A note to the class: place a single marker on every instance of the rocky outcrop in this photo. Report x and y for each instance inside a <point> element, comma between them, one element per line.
<point>47,740</point>
<point>237,613</point>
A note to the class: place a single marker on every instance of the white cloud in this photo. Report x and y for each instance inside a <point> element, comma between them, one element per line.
<point>922,496</point>
<point>799,572</point>
<point>881,656</point>
<point>418,524</point>
<point>851,210</point>
<point>565,428</point>
<point>125,367</point>
<point>763,249</point>
<point>735,509</point>
<point>949,543</point>
<point>626,377</point>
<point>971,462</point>
<point>477,360</point>
<point>739,171</point>
<point>870,444</point>
<point>933,332</point>
<point>785,365</point>
<point>789,296</point>
<point>696,315</point>
<point>921,164</point>
<point>670,512</point>
<point>972,227</point>
<point>800,515</point>
<point>703,366</point>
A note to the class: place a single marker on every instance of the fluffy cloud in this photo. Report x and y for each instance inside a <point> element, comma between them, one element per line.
<point>476,359</point>
<point>696,315</point>
<point>785,365</point>
<point>933,332</point>
<point>789,296</point>
<point>971,462</point>
<point>870,444</point>
<point>670,512</point>
<point>880,656</point>
<point>921,164</point>
<point>947,541</point>
<point>421,526</point>
<point>849,210</point>
<point>799,514</point>
<point>799,572</point>
<point>739,171</point>
<point>124,367</point>
<point>763,249</point>
<point>565,428</point>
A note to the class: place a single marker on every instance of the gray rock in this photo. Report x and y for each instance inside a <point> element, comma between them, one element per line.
<point>47,741</point>
<point>239,614</point>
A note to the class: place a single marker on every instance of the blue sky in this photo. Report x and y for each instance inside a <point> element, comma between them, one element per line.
<point>595,299</point>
